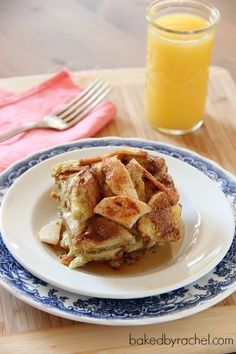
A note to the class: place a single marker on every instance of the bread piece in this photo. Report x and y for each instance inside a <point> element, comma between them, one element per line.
<point>103,255</point>
<point>84,196</point>
<point>123,210</point>
<point>74,226</point>
<point>78,194</point>
<point>102,233</point>
<point>70,166</point>
<point>117,178</point>
<point>136,174</point>
<point>98,173</point>
<point>50,233</point>
<point>163,222</point>
<point>121,154</point>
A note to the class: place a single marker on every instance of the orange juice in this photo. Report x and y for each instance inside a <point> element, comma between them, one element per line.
<point>177,71</point>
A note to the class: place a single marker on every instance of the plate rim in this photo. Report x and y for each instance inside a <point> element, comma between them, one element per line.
<point>121,322</point>
<point>148,320</point>
<point>189,151</point>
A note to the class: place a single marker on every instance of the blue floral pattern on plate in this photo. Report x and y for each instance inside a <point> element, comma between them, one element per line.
<point>208,290</point>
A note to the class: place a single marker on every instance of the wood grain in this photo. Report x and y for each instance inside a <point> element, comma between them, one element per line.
<point>28,330</point>
<point>40,36</point>
<point>84,338</point>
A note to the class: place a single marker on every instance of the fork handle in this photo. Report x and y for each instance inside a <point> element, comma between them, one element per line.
<point>18,130</point>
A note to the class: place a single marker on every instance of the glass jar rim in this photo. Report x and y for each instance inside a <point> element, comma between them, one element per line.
<point>202,3</point>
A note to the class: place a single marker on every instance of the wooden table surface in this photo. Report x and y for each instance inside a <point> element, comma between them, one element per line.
<point>38,36</point>
<point>27,330</point>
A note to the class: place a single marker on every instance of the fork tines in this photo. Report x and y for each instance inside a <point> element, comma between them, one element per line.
<point>82,104</point>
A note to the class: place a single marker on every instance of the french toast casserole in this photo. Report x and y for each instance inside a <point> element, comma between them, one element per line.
<point>113,208</point>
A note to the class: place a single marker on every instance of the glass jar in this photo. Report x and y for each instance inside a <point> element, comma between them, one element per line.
<point>179,46</point>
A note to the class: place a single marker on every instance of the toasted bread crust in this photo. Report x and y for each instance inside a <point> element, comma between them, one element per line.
<point>160,224</point>
<point>114,207</point>
<point>121,209</point>
<point>117,178</point>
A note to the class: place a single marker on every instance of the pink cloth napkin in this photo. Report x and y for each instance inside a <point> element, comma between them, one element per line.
<point>33,105</point>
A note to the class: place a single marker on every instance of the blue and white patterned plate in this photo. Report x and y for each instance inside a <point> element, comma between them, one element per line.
<point>207,291</point>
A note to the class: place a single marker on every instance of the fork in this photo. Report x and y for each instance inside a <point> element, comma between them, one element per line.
<point>71,113</point>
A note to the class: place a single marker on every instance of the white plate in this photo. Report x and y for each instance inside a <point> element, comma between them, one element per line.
<point>27,206</point>
<point>207,291</point>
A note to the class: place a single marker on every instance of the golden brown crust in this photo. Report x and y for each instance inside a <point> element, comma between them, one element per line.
<point>122,209</point>
<point>102,233</point>
<point>66,167</point>
<point>115,206</point>
<point>90,161</point>
<point>79,194</point>
<point>160,224</point>
<point>121,154</point>
<point>169,190</point>
<point>117,178</point>
<point>136,174</point>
